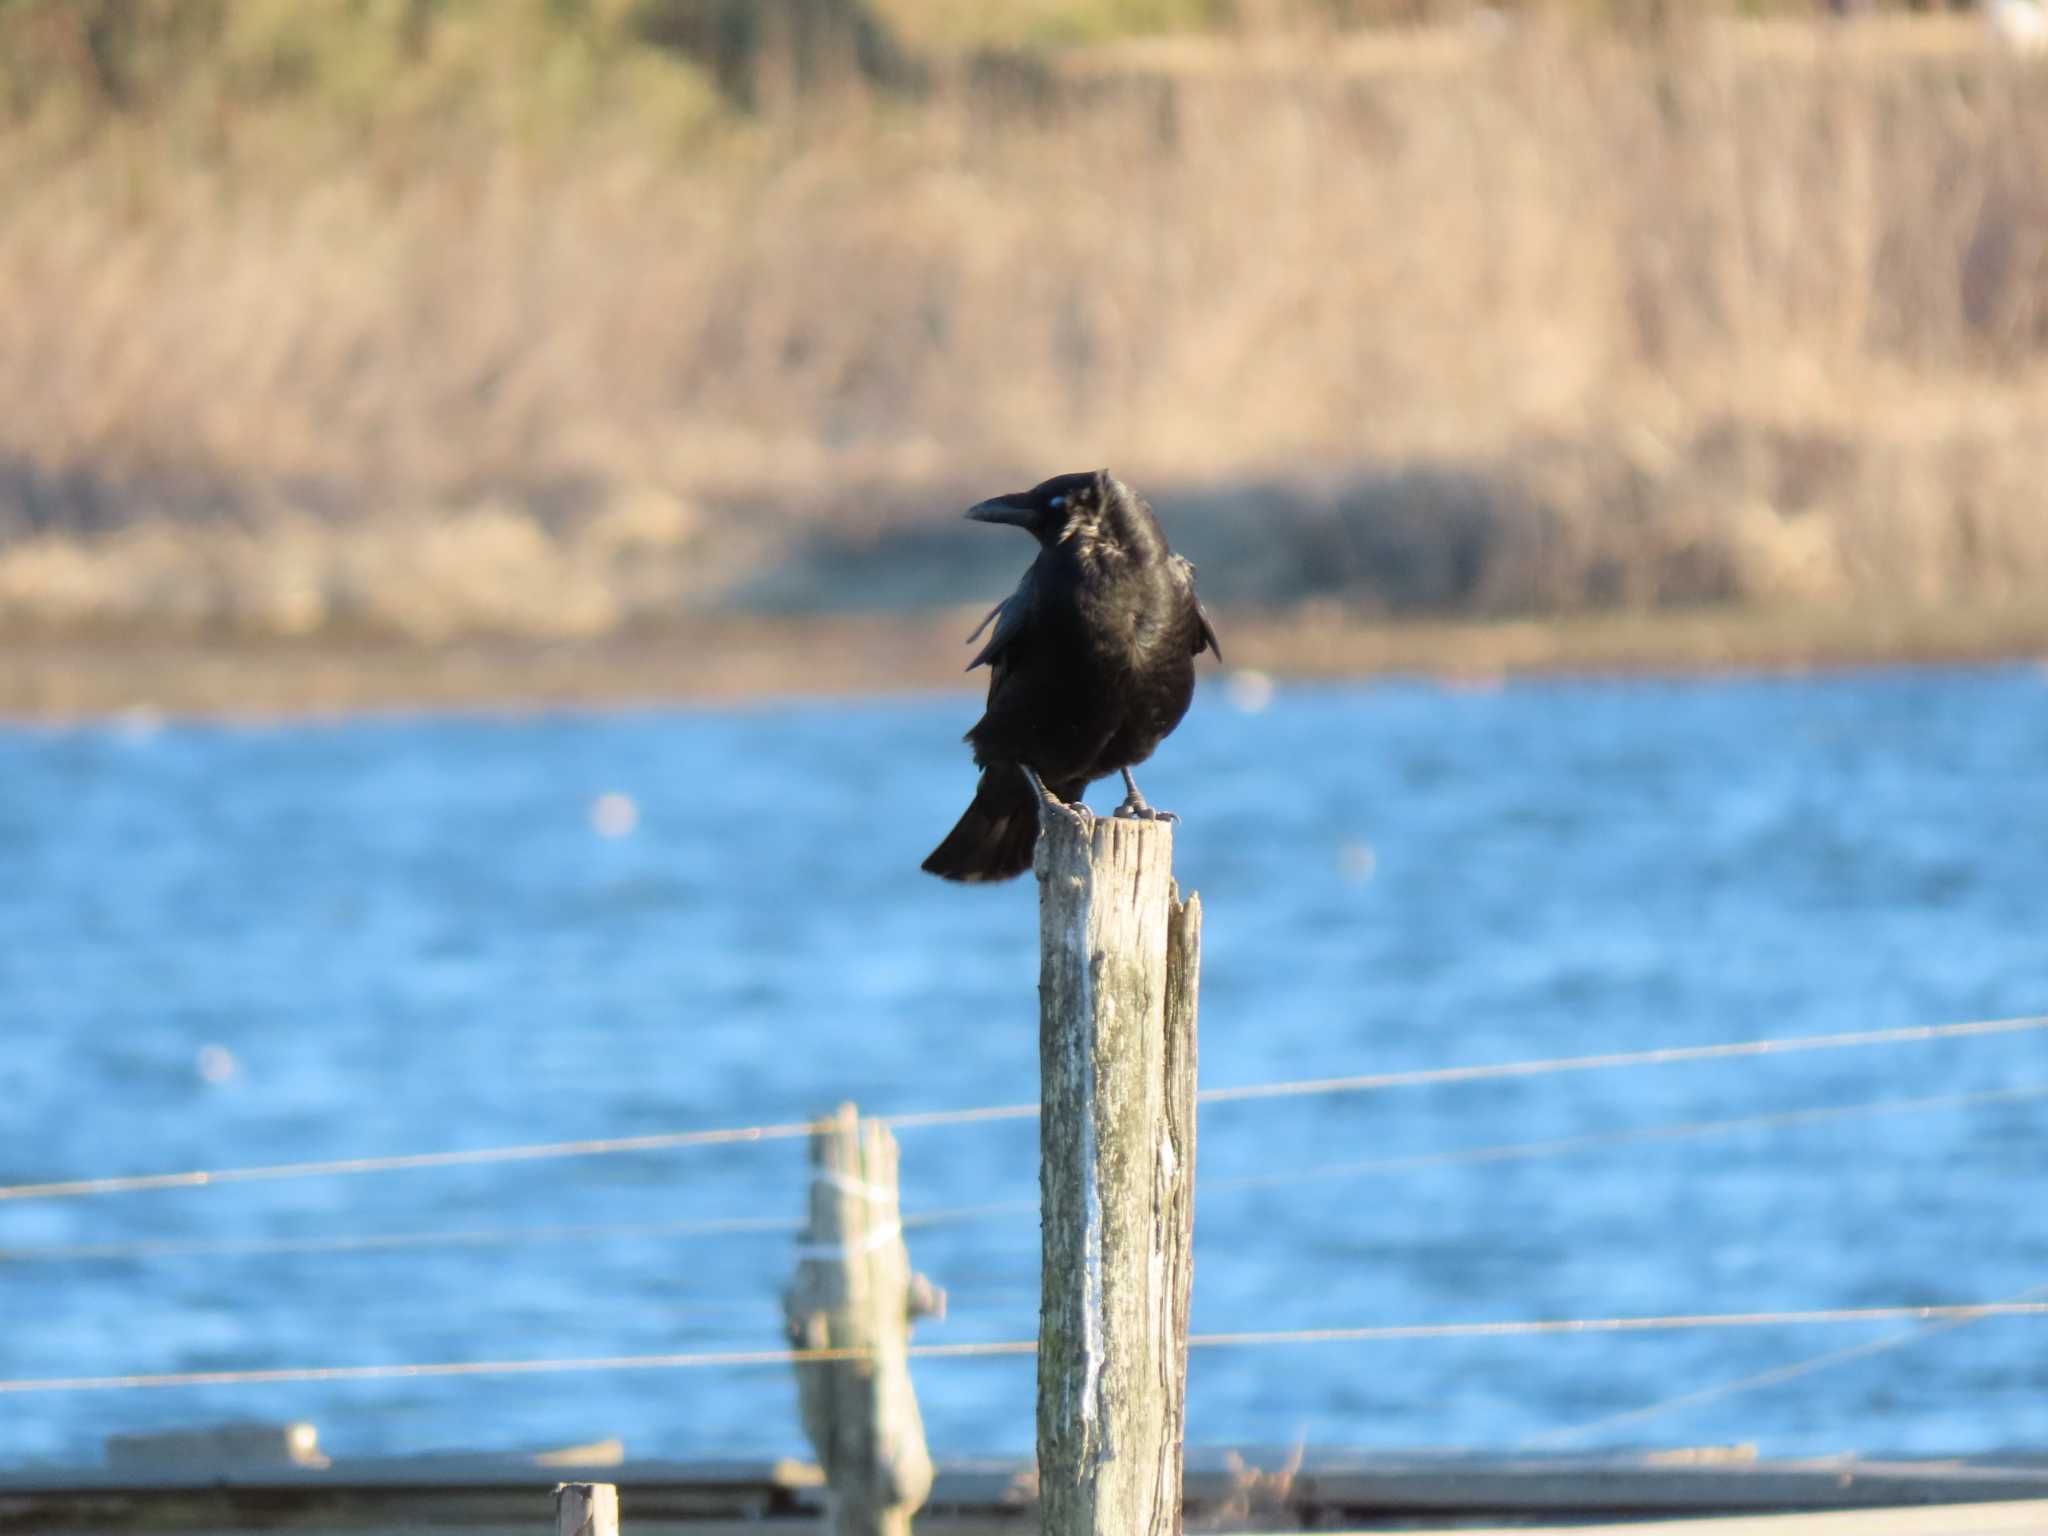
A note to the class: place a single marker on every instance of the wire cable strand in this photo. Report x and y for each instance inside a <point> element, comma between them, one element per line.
<point>1518,1151</point>
<point>941,1216</point>
<point>1790,1371</point>
<point>473,1157</point>
<point>671,1140</point>
<point>375,1242</point>
<point>475,1237</point>
<point>1379,1333</point>
<point>1911,1034</point>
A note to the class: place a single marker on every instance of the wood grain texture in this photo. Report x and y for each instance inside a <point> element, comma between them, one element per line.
<point>1118,961</point>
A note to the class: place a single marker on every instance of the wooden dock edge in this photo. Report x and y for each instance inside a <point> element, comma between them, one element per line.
<point>1328,1492</point>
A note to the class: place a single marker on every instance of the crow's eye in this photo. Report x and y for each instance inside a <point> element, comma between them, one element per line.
<point>1057,502</point>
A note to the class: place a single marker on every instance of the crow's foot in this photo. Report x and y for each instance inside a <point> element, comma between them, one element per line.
<point>1050,802</point>
<point>1134,807</point>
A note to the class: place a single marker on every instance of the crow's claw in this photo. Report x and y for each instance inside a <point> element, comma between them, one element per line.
<point>1134,808</point>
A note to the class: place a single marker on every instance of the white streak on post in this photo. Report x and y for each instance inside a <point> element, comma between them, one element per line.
<point>1090,1171</point>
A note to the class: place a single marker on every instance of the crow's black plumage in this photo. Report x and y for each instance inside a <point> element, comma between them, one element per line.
<point>1091,663</point>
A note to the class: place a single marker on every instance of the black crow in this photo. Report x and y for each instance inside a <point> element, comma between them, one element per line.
<point>1092,662</point>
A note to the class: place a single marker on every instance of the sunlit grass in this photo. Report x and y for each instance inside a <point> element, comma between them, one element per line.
<point>1045,23</point>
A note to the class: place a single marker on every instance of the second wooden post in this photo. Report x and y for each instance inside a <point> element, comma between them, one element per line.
<point>854,1297</point>
<point>1119,956</point>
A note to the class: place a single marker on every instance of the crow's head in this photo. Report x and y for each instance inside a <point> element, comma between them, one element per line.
<point>1091,508</point>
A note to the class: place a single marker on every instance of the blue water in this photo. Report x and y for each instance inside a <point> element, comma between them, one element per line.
<point>224,945</point>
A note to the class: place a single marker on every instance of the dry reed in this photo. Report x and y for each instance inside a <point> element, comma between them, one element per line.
<point>1494,320</point>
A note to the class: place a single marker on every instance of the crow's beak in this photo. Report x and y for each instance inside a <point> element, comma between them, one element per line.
<point>1017,510</point>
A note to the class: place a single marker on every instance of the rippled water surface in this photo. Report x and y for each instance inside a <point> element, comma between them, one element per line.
<point>236,945</point>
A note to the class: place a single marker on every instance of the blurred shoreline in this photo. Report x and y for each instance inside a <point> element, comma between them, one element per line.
<point>729,660</point>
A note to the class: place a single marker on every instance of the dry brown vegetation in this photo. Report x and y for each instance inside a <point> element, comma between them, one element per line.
<point>1483,320</point>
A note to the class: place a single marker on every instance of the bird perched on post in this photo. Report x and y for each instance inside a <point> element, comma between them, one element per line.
<point>1091,663</point>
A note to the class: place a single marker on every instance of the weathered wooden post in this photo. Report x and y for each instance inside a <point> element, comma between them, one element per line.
<point>853,1290</point>
<point>1119,961</point>
<point>586,1509</point>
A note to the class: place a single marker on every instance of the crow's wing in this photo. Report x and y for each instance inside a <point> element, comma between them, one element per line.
<point>1011,616</point>
<point>1205,632</point>
<point>1007,724</point>
<point>1038,712</point>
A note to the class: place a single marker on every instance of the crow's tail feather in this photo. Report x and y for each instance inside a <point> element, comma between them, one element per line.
<point>994,837</point>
